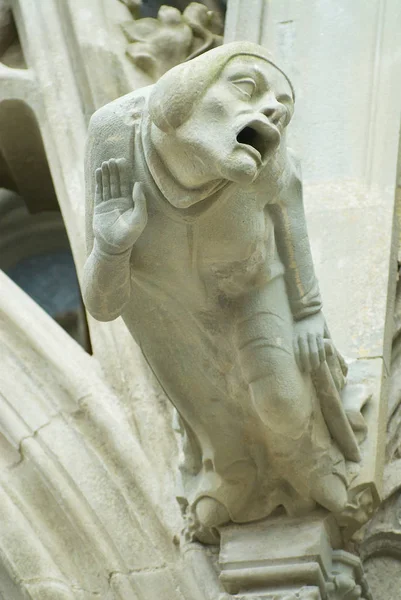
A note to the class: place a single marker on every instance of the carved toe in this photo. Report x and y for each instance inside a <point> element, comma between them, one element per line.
<point>211,513</point>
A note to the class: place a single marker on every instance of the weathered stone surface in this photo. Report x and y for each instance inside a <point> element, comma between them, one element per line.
<point>157,45</point>
<point>289,559</point>
<point>350,183</point>
<point>199,195</point>
<point>380,541</point>
<point>384,576</point>
<point>72,526</point>
<point>53,544</point>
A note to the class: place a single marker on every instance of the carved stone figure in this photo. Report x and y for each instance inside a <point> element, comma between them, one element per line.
<point>197,238</point>
<point>157,45</point>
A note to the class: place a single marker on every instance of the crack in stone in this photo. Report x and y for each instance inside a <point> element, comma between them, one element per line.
<point>154,569</point>
<point>28,437</point>
<point>34,433</point>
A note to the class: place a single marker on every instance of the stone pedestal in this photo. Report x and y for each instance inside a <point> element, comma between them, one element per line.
<point>289,559</point>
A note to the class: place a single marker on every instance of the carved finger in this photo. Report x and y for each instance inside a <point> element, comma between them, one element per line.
<point>297,353</point>
<point>99,187</point>
<point>304,353</point>
<point>139,199</point>
<point>124,174</point>
<point>329,348</point>
<point>114,179</point>
<point>136,218</point>
<point>314,358</point>
<point>320,348</point>
<point>106,181</point>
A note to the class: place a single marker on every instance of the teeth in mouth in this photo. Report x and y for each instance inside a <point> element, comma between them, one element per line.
<point>251,137</point>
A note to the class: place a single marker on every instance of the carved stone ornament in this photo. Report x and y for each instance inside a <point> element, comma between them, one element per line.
<point>156,45</point>
<point>197,238</point>
<point>283,558</point>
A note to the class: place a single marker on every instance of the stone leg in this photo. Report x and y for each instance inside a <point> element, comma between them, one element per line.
<point>299,444</point>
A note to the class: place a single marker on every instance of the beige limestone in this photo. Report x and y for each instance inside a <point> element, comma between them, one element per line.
<point>350,182</point>
<point>194,217</point>
<point>75,53</point>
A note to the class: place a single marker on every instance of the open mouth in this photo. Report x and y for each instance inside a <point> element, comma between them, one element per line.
<point>260,136</point>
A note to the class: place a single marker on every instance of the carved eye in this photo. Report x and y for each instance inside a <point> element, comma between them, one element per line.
<point>246,86</point>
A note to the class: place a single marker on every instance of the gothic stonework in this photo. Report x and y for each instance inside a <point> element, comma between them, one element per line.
<point>290,558</point>
<point>195,218</point>
<point>156,45</point>
<point>90,443</point>
<point>380,542</point>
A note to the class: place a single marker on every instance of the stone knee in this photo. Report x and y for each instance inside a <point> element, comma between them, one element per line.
<point>282,395</point>
<point>284,411</point>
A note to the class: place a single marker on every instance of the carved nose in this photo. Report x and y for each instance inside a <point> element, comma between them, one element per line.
<point>274,112</point>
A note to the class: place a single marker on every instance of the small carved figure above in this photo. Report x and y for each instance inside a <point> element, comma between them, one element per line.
<point>197,237</point>
<point>157,45</point>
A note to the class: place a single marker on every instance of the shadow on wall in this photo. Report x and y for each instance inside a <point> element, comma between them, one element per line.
<point>34,247</point>
<point>11,54</point>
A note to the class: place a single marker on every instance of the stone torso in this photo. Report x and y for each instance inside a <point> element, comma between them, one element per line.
<point>223,245</point>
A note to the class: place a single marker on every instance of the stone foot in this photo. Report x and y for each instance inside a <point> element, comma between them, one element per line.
<point>211,513</point>
<point>330,491</point>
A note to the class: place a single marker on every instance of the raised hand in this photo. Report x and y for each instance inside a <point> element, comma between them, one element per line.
<point>119,216</point>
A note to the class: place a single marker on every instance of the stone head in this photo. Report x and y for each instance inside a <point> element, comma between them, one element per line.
<point>226,111</point>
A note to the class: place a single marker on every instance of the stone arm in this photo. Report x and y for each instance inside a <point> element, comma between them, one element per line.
<point>118,220</point>
<point>313,347</point>
<point>294,250</point>
<point>106,283</point>
<point>310,336</point>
